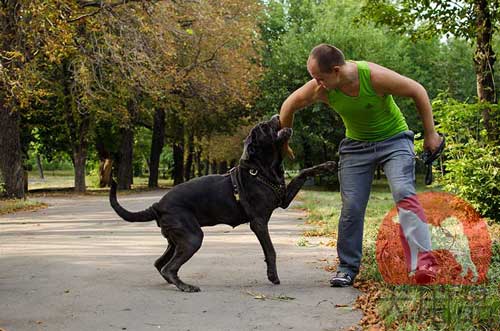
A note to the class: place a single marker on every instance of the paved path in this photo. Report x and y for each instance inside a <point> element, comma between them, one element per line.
<point>77,266</point>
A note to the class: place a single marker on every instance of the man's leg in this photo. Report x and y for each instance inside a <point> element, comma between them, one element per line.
<point>356,171</point>
<point>399,166</point>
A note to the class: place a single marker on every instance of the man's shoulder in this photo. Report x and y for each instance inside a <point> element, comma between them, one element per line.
<point>379,74</point>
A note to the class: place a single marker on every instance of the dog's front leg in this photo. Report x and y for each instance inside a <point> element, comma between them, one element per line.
<point>259,227</point>
<point>294,186</point>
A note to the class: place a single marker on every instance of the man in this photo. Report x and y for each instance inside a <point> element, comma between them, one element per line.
<point>376,133</point>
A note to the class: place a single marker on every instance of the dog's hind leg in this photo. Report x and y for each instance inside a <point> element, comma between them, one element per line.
<point>167,256</point>
<point>188,241</point>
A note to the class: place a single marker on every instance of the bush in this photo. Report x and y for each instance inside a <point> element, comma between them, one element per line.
<point>472,163</point>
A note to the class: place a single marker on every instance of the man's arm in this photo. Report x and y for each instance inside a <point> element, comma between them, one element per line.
<point>386,81</point>
<point>311,92</point>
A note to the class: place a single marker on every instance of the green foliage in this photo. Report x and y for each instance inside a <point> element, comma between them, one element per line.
<point>472,164</point>
<point>293,28</point>
<point>423,18</point>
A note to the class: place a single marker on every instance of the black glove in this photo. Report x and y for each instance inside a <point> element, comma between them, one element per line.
<point>429,157</point>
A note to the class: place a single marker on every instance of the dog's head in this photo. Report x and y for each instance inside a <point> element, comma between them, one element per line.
<point>263,147</point>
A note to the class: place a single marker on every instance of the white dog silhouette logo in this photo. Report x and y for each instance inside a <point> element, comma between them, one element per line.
<point>457,239</point>
<point>450,237</point>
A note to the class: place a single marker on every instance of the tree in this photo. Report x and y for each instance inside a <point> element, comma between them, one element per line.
<point>289,40</point>
<point>35,32</point>
<point>30,30</point>
<point>217,68</point>
<point>474,20</point>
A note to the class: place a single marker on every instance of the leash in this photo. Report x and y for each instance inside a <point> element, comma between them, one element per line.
<point>232,173</point>
<point>428,158</point>
<point>234,183</point>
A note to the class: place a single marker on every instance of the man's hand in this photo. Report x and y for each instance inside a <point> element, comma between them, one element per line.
<point>288,151</point>
<point>432,142</point>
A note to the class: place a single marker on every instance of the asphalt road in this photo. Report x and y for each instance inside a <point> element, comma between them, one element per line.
<point>76,266</point>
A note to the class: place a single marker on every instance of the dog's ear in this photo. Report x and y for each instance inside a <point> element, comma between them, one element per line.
<point>275,120</point>
<point>248,152</point>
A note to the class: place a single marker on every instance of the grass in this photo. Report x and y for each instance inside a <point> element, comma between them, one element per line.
<point>61,179</point>
<point>13,205</point>
<point>407,307</point>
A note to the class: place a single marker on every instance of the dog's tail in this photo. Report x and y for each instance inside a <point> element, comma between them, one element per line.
<point>140,216</point>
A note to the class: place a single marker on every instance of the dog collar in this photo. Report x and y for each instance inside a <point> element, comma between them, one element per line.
<point>278,190</point>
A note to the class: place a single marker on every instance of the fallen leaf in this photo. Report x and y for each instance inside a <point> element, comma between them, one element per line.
<point>282,297</point>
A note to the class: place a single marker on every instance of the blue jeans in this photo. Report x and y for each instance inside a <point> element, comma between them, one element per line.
<point>358,161</point>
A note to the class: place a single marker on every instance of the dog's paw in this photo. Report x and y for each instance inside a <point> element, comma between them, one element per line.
<point>328,166</point>
<point>188,288</point>
<point>273,277</point>
<point>323,168</point>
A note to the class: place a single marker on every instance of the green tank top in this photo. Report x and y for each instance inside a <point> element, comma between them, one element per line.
<point>367,117</point>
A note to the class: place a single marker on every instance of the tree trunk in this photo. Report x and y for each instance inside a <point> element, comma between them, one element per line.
<point>206,167</point>
<point>484,59</point>
<point>126,158</point>
<point>189,159</point>
<point>11,166</point>
<point>213,167</point>
<point>25,181</point>
<point>79,161</point>
<point>223,167</point>
<point>78,123</point>
<point>79,138</point>
<point>125,166</point>
<point>199,164</point>
<point>157,142</point>
<point>39,166</point>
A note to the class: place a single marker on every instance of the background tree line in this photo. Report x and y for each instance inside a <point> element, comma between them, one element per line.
<point>96,79</point>
<point>87,75</point>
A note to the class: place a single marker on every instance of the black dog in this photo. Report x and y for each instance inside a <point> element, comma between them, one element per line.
<point>249,193</point>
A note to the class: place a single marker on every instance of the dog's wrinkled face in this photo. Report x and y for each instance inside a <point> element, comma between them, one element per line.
<point>264,145</point>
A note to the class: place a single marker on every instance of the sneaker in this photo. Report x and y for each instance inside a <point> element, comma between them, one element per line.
<point>425,275</point>
<point>341,279</point>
